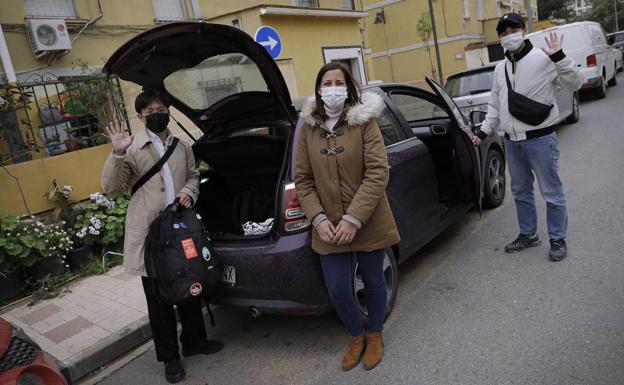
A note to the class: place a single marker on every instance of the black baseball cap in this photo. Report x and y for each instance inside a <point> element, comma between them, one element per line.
<point>509,20</point>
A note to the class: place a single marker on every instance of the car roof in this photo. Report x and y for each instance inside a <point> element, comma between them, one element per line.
<point>615,33</point>
<point>484,68</point>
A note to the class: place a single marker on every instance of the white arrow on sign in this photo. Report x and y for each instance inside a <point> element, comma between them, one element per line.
<point>271,43</point>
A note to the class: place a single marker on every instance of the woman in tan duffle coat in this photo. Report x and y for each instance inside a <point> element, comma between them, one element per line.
<point>341,177</point>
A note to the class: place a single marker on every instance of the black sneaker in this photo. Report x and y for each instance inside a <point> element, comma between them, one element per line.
<point>204,347</point>
<point>174,372</point>
<point>522,242</point>
<point>558,250</point>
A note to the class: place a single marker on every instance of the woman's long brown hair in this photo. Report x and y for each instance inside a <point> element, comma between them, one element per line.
<point>353,89</point>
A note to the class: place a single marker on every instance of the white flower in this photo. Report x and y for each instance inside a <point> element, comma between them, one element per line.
<point>97,226</point>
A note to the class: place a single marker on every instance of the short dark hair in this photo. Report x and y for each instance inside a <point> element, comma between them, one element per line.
<point>353,89</point>
<point>149,96</point>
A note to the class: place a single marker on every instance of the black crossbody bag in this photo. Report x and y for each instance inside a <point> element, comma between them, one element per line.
<point>525,109</point>
<point>155,168</point>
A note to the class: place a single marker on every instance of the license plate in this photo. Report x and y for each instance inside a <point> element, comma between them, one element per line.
<point>228,274</point>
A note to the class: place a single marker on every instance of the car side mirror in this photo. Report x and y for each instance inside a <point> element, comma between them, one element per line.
<point>477,117</point>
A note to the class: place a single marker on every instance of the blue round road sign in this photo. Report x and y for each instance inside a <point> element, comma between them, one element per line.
<point>270,40</point>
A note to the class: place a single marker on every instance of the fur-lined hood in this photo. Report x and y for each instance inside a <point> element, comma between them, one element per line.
<point>371,105</point>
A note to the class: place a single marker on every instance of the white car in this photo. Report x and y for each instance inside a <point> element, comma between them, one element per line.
<point>586,43</point>
<point>471,91</point>
<point>619,61</point>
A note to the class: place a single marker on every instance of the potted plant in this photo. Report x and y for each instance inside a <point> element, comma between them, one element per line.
<point>49,245</point>
<point>12,280</point>
<point>100,225</point>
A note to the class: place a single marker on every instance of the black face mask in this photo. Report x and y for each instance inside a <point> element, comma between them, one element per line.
<point>157,122</point>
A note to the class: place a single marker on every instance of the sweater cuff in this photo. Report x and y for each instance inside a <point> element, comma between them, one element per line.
<point>318,219</point>
<point>557,56</point>
<point>353,220</point>
<point>482,135</point>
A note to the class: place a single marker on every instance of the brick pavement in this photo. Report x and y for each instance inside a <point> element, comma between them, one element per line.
<point>74,323</point>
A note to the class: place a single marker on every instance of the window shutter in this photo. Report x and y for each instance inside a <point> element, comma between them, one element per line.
<point>170,10</point>
<point>50,8</point>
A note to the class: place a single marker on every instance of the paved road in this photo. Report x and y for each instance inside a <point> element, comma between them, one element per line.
<point>467,313</point>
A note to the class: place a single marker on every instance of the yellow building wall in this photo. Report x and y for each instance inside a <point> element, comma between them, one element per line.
<point>211,9</point>
<point>74,168</point>
<point>456,28</point>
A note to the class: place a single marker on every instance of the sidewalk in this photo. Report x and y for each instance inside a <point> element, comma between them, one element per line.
<point>102,317</point>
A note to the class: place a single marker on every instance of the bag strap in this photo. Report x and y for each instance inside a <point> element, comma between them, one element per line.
<point>155,168</point>
<point>507,78</point>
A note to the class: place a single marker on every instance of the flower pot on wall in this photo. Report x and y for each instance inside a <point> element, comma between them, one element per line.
<point>80,257</point>
<point>72,144</point>
<point>44,267</point>
<point>12,284</point>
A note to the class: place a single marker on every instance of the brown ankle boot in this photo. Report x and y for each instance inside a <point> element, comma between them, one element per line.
<point>374,350</point>
<point>354,355</point>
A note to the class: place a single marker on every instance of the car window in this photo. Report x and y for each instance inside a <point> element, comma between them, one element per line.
<point>215,79</point>
<point>618,37</point>
<point>470,84</point>
<point>415,108</point>
<point>390,128</point>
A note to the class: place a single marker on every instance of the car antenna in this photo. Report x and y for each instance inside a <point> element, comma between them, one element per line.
<point>183,128</point>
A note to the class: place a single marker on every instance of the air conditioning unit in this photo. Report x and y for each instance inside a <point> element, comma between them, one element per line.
<point>47,35</point>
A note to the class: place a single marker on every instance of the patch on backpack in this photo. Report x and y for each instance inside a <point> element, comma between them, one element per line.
<point>189,248</point>
<point>196,289</point>
<point>206,254</point>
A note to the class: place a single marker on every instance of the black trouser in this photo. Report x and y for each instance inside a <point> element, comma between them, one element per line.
<point>164,326</point>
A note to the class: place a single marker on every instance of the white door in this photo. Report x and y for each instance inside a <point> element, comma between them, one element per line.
<point>351,57</point>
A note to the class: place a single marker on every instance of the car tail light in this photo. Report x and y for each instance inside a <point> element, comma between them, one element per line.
<point>591,60</point>
<point>293,217</point>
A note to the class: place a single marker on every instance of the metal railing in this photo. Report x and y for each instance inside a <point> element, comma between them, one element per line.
<point>51,116</point>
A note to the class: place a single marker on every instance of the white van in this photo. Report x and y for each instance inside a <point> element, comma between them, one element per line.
<point>586,43</point>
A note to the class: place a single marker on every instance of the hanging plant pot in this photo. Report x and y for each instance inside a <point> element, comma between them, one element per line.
<point>80,257</point>
<point>72,144</point>
<point>12,284</point>
<point>44,267</point>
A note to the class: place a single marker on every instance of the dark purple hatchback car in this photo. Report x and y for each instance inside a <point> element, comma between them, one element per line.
<point>234,92</point>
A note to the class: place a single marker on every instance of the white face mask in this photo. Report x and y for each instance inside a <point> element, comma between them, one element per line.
<point>334,97</point>
<point>512,42</point>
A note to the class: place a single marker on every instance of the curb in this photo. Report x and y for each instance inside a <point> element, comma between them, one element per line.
<point>108,349</point>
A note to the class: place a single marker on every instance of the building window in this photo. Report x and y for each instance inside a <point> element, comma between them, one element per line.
<point>495,52</point>
<point>236,23</point>
<point>219,89</point>
<point>348,4</point>
<point>306,3</point>
<point>175,10</point>
<point>50,8</point>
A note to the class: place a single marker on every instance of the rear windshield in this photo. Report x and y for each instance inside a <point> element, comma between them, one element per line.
<point>215,79</point>
<point>470,84</point>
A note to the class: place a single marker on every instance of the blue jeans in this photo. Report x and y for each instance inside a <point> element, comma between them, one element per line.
<point>338,270</point>
<point>539,157</point>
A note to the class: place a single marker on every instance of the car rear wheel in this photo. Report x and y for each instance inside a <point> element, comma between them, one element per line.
<point>391,273</point>
<point>613,82</point>
<point>574,117</point>
<point>494,183</point>
<point>601,91</point>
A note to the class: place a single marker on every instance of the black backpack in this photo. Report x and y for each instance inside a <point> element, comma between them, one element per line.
<point>179,255</point>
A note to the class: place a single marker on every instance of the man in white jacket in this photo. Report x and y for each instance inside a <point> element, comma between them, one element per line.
<point>523,106</point>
